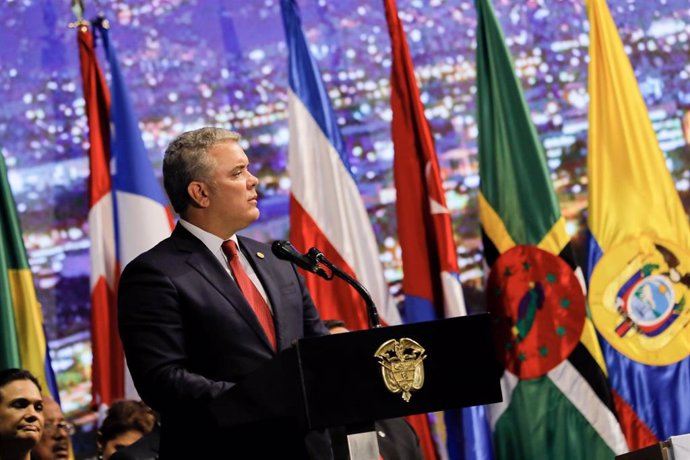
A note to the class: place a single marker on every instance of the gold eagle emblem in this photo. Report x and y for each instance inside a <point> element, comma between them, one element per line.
<point>401,366</point>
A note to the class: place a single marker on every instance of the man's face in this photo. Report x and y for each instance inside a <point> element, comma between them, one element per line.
<point>55,441</point>
<point>231,189</point>
<point>21,413</point>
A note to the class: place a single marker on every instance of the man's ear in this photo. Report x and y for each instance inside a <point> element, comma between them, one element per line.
<point>199,194</point>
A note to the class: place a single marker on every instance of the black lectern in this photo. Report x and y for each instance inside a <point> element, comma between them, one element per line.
<point>337,381</point>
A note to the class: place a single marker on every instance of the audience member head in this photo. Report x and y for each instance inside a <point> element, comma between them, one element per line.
<point>126,422</point>
<point>21,414</point>
<point>335,326</point>
<point>187,159</point>
<point>54,443</point>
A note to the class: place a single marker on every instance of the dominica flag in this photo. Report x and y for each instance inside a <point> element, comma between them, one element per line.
<point>326,209</point>
<point>22,338</point>
<point>556,401</point>
<point>639,249</point>
<point>128,212</point>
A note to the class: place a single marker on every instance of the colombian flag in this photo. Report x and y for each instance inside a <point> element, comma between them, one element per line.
<point>639,249</point>
<point>556,401</point>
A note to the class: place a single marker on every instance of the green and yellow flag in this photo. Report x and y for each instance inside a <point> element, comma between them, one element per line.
<point>640,246</point>
<point>557,403</point>
<point>22,340</point>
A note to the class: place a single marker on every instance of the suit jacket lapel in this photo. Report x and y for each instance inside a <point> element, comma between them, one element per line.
<point>201,259</point>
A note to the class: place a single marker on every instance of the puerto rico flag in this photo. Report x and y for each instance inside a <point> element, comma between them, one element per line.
<point>128,212</point>
<point>108,358</point>
<point>326,209</point>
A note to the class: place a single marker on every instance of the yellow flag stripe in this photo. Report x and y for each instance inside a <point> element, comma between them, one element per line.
<point>28,322</point>
<point>493,226</point>
<point>630,191</point>
<point>556,239</point>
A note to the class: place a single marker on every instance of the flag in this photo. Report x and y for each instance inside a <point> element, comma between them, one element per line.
<point>142,214</point>
<point>556,401</point>
<point>22,337</point>
<point>326,209</point>
<point>108,357</point>
<point>431,282</point>
<point>639,248</point>
<point>128,211</point>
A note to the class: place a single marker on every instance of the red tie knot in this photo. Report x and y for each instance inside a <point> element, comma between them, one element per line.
<point>229,249</point>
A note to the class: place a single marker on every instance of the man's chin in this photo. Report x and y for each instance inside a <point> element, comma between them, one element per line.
<point>61,450</point>
<point>253,216</point>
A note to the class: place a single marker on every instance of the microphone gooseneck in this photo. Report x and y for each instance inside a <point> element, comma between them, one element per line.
<point>311,262</point>
<point>318,257</point>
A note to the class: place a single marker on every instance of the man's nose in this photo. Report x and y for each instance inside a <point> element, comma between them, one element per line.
<point>253,180</point>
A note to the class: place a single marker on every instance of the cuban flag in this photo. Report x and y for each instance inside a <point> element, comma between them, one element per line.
<point>326,209</point>
<point>431,282</point>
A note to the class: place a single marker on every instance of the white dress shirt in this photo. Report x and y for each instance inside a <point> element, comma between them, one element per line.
<point>214,243</point>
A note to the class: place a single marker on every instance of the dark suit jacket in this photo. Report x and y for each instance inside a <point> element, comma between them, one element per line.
<point>189,334</point>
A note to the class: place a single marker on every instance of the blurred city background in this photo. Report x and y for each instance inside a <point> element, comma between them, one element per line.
<point>223,62</point>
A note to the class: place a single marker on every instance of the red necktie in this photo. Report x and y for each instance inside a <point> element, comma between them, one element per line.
<point>251,293</point>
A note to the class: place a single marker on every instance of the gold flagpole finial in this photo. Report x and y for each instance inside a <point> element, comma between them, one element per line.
<point>78,10</point>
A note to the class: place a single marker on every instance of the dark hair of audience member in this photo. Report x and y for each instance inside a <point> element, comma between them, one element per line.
<point>124,416</point>
<point>11,375</point>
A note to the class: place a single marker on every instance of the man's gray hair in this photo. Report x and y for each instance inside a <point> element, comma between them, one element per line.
<point>186,160</point>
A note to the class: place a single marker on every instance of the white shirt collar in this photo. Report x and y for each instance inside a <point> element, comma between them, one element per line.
<point>211,241</point>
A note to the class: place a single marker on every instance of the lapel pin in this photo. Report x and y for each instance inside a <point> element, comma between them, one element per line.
<point>260,255</point>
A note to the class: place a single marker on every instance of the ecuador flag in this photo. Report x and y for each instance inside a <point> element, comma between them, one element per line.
<point>639,248</point>
<point>556,400</point>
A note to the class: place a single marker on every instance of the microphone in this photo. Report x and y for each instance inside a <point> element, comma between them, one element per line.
<point>284,250</point>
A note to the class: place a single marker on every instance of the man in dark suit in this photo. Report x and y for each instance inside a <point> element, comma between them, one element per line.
<point>197,315</point>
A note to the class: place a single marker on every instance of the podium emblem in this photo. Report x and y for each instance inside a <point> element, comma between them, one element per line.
<point>402,366</point>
